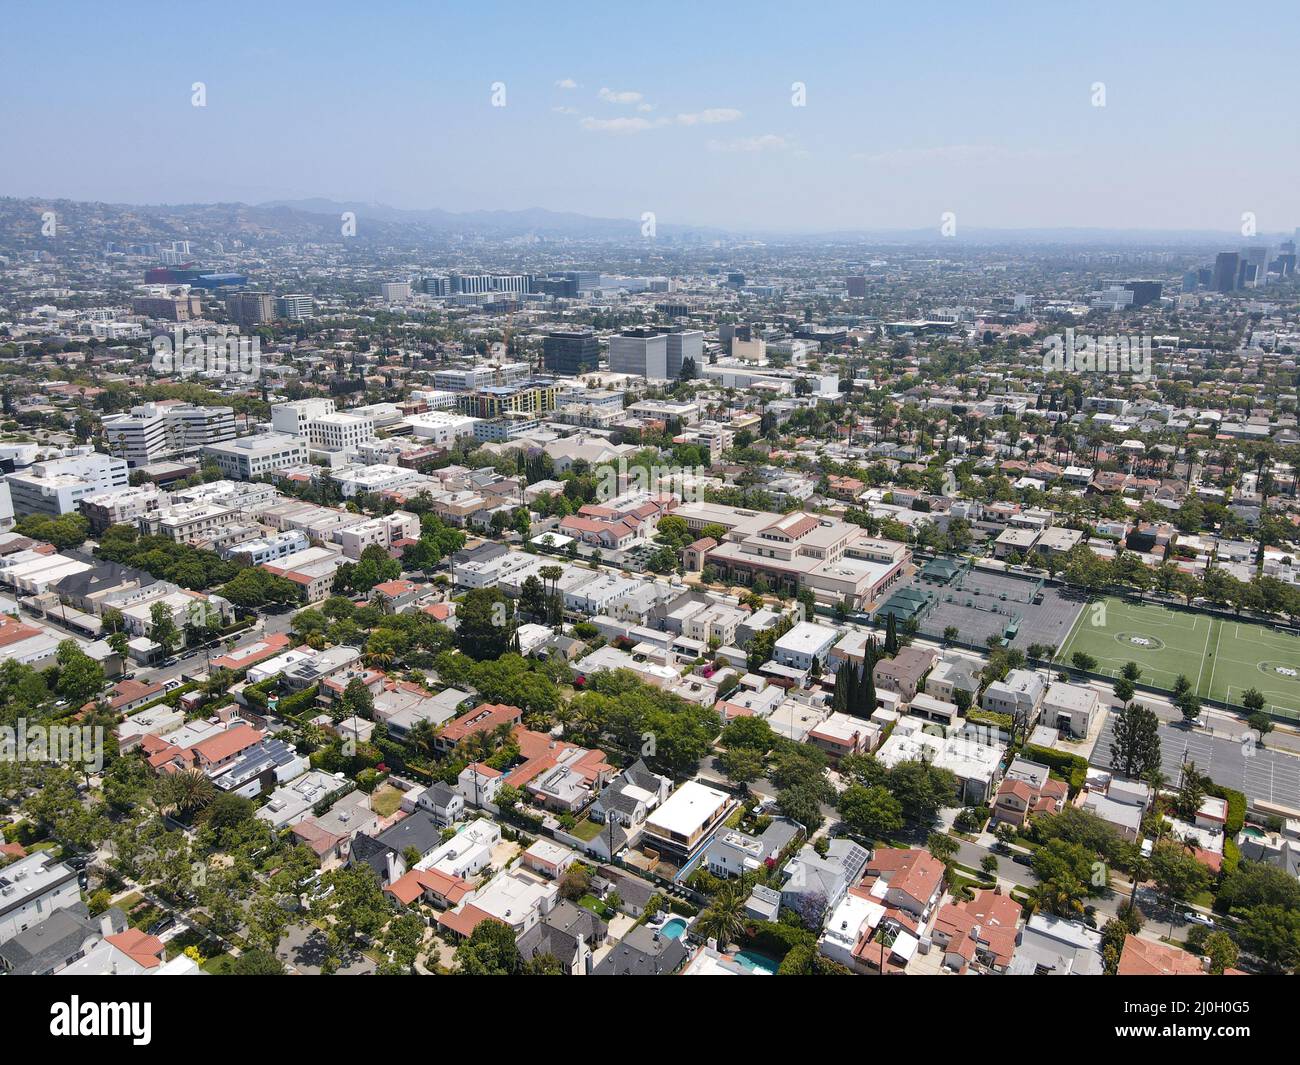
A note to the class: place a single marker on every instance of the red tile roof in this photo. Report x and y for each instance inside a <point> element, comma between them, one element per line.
<point>142,949</point>
<point>1141,957</point>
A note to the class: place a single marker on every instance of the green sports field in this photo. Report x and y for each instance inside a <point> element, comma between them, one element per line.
<point>1222,658</point>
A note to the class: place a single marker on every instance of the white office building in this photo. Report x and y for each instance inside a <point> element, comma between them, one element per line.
<point>295,306</point>
<point>57,486</point>
<point>256,456</point>
<point>154,431</point>
<point>341,431</point>
<point>293,417</point>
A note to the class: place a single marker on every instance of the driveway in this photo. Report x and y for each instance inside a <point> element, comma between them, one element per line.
<point>304,948</point>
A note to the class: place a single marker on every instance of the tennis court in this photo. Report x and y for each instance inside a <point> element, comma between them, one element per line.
<point>1221,657</point>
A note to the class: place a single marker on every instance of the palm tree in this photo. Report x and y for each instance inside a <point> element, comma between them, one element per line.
<point>187,791</point>
<point>1056,898</point>
<point>724,918</point>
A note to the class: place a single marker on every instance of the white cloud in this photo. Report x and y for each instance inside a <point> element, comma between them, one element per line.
<point>566,83</point>
<point>710,117</point>
<point>610,96</point>
<point>767,142</point>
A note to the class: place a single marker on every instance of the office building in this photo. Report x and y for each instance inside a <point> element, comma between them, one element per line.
<point>571,352</point>
<point>684,344</point>
<point>643,352</point>
<point>293,417</point>
<point>295,306</point>
<point>1227,266</point>
<point>1144,292</point>
<point>249,309</point>
<point>154,431</point>
<point>57,486</point>
<point>257,456</point>
<point>182,306</point>
<point>340,430</point>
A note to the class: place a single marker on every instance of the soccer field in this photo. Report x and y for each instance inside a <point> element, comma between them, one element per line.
<point>1222,658</point>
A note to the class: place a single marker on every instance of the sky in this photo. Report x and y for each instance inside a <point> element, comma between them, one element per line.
<point>909,112</point>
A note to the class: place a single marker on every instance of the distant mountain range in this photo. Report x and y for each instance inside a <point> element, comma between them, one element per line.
<point>318,220</point>
<point>533,220</point>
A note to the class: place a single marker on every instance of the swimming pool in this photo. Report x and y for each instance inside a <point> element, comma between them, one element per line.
<point>759,963</point>
<point>674,928</point>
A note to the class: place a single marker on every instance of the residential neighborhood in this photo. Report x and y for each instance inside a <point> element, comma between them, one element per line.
<point>688,576</point>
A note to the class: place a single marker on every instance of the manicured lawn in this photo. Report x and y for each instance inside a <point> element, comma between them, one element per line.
<point>594,904</point>
<point>587,830</point>
<point>385,801</point>
<point>218,966</point>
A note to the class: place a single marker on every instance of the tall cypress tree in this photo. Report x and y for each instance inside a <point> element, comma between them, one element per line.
<point>866,691</point>
<point>840,696</point>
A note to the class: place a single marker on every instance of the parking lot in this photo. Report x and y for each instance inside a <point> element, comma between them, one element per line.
<point>1261,774</point>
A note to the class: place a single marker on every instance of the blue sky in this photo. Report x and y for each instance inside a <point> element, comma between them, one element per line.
<point>911,111</point>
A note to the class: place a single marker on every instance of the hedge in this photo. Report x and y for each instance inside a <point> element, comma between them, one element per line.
<point>1236,808</point>
<point>777,940</point>
<point>1073,768</point>
<point>990,717</point>
<point>292,705</point>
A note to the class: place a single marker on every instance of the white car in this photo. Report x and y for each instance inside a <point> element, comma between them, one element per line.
<point>1198,918</point>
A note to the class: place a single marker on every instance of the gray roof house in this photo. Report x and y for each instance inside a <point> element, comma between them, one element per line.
<point>569,933</point>
<point>62,938</point>
<point>815,885</point>
<point>643,952</point>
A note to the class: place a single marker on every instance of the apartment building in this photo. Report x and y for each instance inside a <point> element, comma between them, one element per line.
<point>269,548</point>
<point>31,889</point>
<point>187,523</point>
<point>379,532</point>
<point>311,570</point>
<point>122,506</point>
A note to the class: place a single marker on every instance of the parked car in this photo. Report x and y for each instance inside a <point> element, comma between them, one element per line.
<point>161,925</point>
<point>1191,917</point>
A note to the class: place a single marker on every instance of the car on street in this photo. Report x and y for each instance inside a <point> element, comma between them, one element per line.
<point>1192,917</point>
